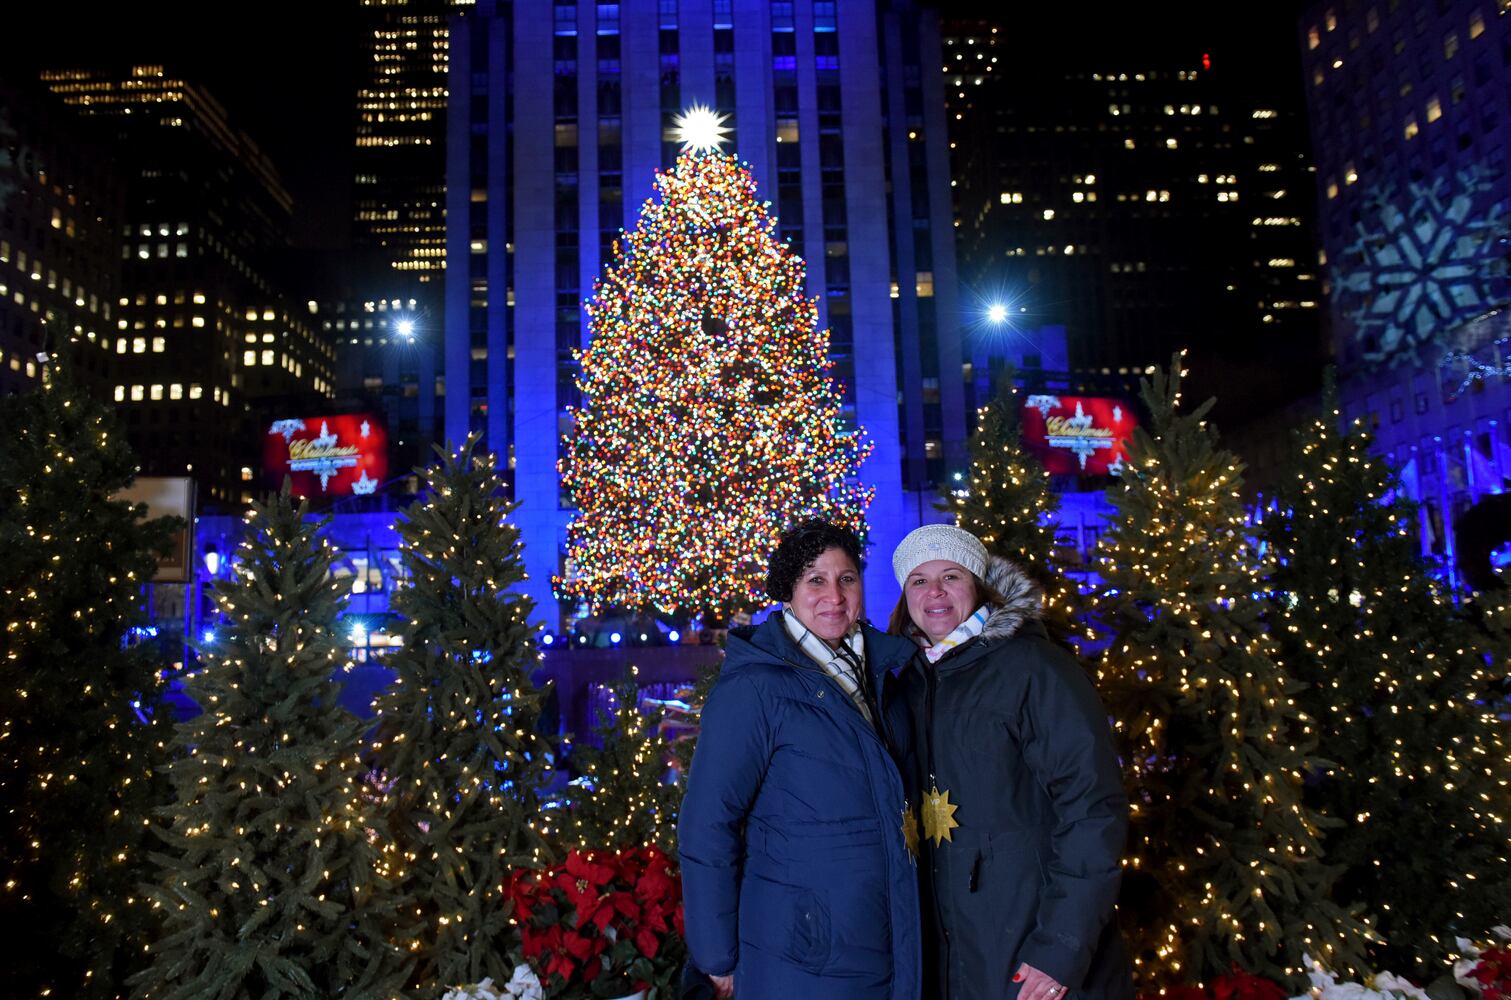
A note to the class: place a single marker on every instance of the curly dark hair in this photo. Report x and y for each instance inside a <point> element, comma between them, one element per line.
<point>799,546</point>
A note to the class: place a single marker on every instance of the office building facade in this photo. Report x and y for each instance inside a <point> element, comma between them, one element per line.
<point>62,205</point>
<point>1145,205</point>
<point>201,330</point>
<point>1411,120</point>
<point>561,114</point>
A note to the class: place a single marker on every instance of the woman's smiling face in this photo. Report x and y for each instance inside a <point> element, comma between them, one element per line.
<point>941,594</point>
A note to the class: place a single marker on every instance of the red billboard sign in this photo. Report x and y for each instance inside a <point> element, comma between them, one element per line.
<point>327,456</point>
<point>1086,435</point>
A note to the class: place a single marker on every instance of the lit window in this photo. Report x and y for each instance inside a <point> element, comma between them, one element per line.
<point>176,390</point>
<point>246,473</point>
<point>1350,175</point>
<point>136,394</point>
<point>924,285</point>
<point>182,250</point>
<point>159,344</point>
<point>1476,24</point>
<point>249,359</point>
<point>138,345</point>
<point>1434,109</point>
<point>196,391</point>
<point>268,338</point>
<point>120,345</point>
<point>199,298</point>
<point>1172,143</point>
<point>267,358</point>
<point>1450,45</point>
<point>120,394</point>
<point>197,321</point>
<point>157,392</point>
<point>1049,213</point>
<point>1332,189</point>
<point>1411,130</point>
<point>267,314</point>
<point>1078,196</point>
<point>1313,37</point>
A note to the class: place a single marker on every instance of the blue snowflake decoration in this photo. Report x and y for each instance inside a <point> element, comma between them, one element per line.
<point>1424,265</point>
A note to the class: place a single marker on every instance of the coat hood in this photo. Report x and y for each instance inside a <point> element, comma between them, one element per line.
<point>1023,599</point>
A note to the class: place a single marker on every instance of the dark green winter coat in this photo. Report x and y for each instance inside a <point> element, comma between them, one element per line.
<point>1010,726</point>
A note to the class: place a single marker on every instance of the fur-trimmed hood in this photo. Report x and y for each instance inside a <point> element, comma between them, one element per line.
<point>1023,599</point>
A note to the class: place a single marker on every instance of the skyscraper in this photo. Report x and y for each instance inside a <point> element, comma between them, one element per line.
<point>560,115</point>
<point>62,205</point>
<point>200,327</point>
<point>1146,203</point>
<point>399,216</point>
<point>1411,117</point>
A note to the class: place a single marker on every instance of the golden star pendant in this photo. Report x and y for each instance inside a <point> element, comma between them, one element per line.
<point>939,816</point>
<point>910,830</point>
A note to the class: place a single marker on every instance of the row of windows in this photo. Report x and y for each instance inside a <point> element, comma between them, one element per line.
<point>50,277</point>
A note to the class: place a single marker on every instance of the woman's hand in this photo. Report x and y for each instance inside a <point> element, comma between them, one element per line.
<point>724,986</point>
<point>1037,985</point>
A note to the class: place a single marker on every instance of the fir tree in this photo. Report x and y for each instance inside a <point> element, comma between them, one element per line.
<point>269,885</point>
<point>83,729</point>
<point>709,420</point>
<point>1398,689</point>
<point>1010,505</point>
<point>1224,862</point>
<point>459,743</point>
<point>622,798</point>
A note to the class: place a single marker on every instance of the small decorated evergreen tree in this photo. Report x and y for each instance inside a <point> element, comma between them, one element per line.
<point>269,885</point>
<point>458,746</point>
<point>1399,688</point>
<point>83,732</point>
<point>622,798</point>
<point>1224,865</point>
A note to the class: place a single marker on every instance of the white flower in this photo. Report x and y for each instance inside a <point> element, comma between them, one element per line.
<point>484,990</point>
<point>1385,986</point>
<point>524,985</point>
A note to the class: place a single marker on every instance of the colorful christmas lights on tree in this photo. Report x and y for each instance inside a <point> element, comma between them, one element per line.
<point>709,421</point>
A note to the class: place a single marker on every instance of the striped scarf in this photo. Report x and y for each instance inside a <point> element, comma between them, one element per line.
<point>966,630</point>
<point>846,664</point>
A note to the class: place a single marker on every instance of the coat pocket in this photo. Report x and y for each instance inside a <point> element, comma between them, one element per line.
<point>787,921</point>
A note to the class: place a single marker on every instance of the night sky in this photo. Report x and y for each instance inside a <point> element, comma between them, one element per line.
<point>286,71</point>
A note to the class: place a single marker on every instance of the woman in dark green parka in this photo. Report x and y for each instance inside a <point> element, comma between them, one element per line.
<point>1023,812</point>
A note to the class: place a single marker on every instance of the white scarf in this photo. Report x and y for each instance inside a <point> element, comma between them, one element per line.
<point>845,664</point>
<point>966,630</point>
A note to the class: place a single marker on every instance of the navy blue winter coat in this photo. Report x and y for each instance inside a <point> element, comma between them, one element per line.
<point>795,873</point>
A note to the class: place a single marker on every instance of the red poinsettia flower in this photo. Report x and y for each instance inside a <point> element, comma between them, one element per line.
<point>1239,985</point>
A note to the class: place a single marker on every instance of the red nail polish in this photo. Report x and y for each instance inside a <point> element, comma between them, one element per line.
<point>1017,977</point>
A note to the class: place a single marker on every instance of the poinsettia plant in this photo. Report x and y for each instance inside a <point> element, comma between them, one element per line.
<point>602,923</point>
<point>1235,985</point>
<point>1486,968</point>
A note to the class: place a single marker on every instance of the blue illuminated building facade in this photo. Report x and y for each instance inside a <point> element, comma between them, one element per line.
<point>1411,124</point>
<point>560,115</point>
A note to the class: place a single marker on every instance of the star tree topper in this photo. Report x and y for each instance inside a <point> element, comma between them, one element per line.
<point>701,129</point>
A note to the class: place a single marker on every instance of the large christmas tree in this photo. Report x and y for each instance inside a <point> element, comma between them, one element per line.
<point>458,745</point>
<point>1224,861</point>
<point>709,421</point>
<point>83,732</point>
<point>270,886</point>
<point>1010,505</point>
<point>1398,689</point>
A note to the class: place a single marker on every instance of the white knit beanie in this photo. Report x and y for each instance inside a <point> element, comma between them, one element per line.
<point>938,541</point>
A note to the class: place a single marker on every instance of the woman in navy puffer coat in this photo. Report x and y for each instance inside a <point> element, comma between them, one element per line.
<point>798,877</point>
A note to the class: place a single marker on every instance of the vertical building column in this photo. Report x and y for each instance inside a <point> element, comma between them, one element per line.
<point>876,388</point>
<point>640,70</point>
<point>456,284</point>
<point>499,319</point>
<point>535,406</point>
<point>947,296</point>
